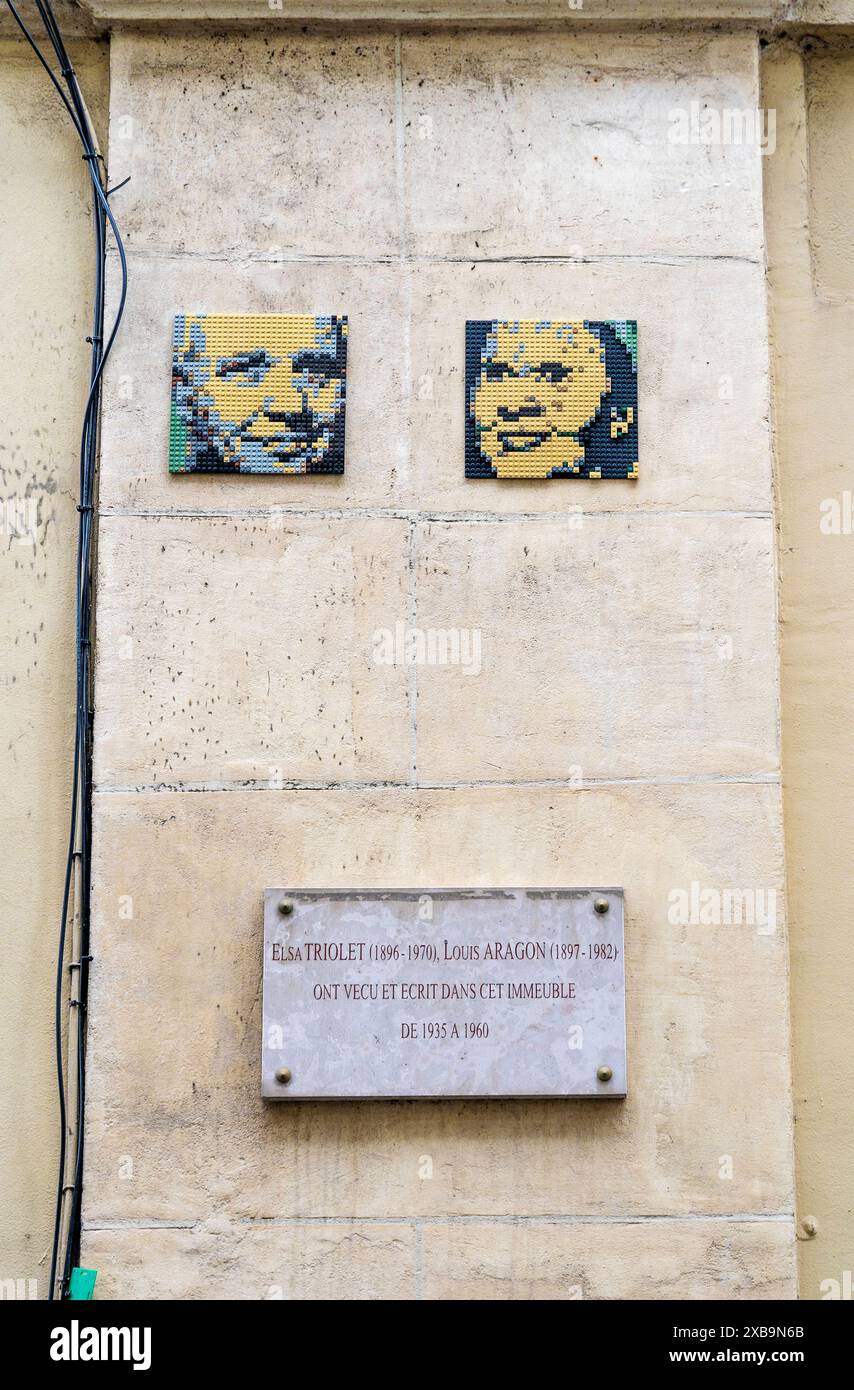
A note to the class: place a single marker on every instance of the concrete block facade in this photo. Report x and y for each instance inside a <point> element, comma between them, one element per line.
<point>622,726</point>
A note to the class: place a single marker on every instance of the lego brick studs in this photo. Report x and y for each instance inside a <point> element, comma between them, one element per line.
<point>266,393</point>
<point>258,393</point>
<point>551,399</point>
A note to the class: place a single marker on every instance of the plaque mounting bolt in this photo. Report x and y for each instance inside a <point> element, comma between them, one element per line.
<point>283,1075</point>
<point>601,906</point>
<point>604,1073</point>
<point>286,908</point>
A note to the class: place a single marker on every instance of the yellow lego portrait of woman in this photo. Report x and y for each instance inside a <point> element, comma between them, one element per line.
<point>551,399</point>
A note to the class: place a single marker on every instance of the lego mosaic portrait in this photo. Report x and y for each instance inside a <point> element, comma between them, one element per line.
<point>551,399</point>
<point>258,393</point>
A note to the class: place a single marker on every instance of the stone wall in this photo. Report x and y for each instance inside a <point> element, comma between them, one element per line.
<point>624,726</point>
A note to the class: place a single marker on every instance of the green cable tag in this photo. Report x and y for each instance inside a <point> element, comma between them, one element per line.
<point>82,1283</point>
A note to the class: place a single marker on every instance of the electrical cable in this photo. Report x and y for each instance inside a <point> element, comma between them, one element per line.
<point>69,1194</point>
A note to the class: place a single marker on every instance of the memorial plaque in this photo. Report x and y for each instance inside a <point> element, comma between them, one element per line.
<point>481,992</point>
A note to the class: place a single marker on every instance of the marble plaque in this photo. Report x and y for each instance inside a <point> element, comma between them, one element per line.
<point>482,992</point>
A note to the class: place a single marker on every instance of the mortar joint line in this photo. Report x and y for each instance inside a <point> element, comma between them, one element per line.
<point>769,778</point>
<point>421,1220</point>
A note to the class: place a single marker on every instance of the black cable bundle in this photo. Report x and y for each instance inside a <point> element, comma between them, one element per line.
<point>69,1193</point>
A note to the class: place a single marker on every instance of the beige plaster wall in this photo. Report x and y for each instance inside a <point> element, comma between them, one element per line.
<point>45,232</point>
<point>438,1239</point>
<point>810,197</point>
<point>623,728</point>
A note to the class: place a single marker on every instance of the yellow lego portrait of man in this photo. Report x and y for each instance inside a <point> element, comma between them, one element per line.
<point>258,393</point>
